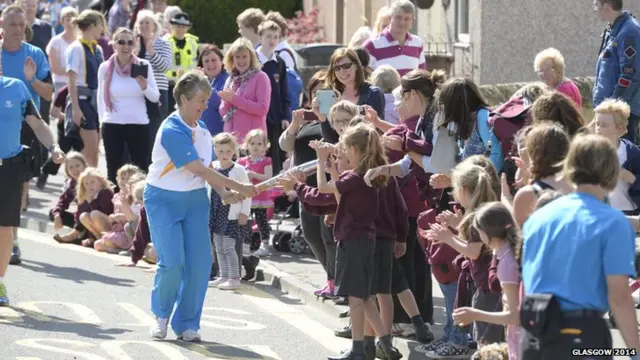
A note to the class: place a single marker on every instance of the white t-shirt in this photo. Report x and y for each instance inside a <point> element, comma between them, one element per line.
<point>619,198</point>
<point>60,45</point>
<point>127,97</point>
<point>76,61</point>
<point>177,144</point>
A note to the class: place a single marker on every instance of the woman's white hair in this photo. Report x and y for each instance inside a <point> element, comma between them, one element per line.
<point>170,12</point>
<point>359,37</point>
<point>552,54</point>
<point>149,15</point>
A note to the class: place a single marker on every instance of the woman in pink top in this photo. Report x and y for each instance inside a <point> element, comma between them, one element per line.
<point>549,64</point>
<point>247,92</point>
<point>498,231</point>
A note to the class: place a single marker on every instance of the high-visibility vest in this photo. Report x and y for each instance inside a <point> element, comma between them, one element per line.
<point>188,56</point>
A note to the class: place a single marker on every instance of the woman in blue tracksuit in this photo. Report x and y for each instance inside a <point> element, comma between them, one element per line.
<point>177,204</point>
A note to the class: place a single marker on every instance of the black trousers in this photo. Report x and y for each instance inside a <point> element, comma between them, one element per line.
<point>66,144</point>
<point>418,277</point>
<point>275,153</point>
<point>592,333</point>
<point>134,137</point>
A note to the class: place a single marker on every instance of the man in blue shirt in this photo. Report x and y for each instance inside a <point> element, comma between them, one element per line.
<point>16,106</point>
<point>582,251</point>
<point>618,66</point>
<point>28,63</point>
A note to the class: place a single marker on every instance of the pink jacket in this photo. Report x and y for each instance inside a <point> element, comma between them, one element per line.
<point>252,107</point>
<point>570,89</point>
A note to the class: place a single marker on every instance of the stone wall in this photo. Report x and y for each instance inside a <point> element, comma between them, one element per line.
<point>498,94</point>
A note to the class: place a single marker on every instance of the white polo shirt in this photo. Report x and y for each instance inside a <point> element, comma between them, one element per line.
<point>176,145</point>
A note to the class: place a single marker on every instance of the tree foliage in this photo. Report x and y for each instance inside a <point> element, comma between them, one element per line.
<point>304,28</point>
<point>214,21</point>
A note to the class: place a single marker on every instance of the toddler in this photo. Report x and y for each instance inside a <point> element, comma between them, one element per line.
<point>227,222</point>
<point>259,168</point>
<point>95,204</point>
<point>73,167</point>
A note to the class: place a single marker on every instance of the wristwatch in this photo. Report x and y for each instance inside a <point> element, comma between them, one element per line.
<point>52,147</point>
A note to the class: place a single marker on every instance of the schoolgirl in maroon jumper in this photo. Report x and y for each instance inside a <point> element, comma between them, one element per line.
<point>413,274</point>
<point>95,204</point>
<point>355,232</point>
<point>74,166</point>
<point>473,186</point>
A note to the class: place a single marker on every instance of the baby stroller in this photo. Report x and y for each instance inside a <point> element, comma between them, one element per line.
<point>283,241</point>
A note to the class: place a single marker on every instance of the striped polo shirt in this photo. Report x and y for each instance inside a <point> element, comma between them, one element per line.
<point>384,50</point>
<point>161,62</point>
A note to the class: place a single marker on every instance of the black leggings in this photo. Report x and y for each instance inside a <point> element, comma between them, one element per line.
<point>134,137</point>
<point>418,277</point>
<point>260,218</point>
<point>275,153</point>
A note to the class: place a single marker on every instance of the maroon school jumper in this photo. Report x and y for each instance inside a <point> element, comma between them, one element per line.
<point>142,237</point>
<point>103,203</point>
<point>410,142</point>
<point>315,202</point>
<point>66,198</point>
<point>391,223</point>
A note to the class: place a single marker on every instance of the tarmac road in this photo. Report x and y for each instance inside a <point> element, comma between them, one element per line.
<point>73,303</point>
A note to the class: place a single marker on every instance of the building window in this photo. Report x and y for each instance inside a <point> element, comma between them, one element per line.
<point>462,21</point>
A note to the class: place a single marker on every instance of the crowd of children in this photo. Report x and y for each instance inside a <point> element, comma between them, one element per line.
<point>106,220</point>
<point>474,242</point>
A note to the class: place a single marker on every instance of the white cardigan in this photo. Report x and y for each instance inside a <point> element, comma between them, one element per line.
<point>239,174</point>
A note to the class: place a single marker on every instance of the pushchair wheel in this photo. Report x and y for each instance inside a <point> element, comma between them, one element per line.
<point>283,242</point>
<point>297,244</point>
<point>277,243</point>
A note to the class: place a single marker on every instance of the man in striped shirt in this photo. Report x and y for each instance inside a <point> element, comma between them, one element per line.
<point>395,46</point>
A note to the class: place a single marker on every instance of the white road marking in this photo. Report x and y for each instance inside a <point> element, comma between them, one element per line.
<point>295,318</point>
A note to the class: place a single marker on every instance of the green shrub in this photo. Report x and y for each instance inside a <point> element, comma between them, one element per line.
<point>214,21</point>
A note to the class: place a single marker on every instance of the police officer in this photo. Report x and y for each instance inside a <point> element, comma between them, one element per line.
<point>16,106</point>
<point>618,67</point>
<point>185,51</point>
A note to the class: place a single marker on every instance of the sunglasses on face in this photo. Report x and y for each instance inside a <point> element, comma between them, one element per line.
<point>125,42</point>
<point>345,66</point>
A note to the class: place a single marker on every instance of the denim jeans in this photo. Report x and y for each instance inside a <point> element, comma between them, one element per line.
<point>451,332</point>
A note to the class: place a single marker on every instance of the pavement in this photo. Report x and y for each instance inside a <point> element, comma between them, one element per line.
<point>290,278</point>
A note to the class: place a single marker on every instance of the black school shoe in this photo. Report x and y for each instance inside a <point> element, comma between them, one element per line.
<point>250,263</point>
<point>16,256</point>
<point>424,334</point>
<point>387,352</point>
<point>344,332</point>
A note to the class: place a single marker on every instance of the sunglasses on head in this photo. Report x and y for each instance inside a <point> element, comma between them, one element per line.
<point>345,66</point>
<point>125,42</point>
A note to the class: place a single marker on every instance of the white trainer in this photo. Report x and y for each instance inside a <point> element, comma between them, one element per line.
<point>216,282</point>
<point>230,284</point>
<point>262,251</point>
<point>159,329</point>
<point>190,336</point>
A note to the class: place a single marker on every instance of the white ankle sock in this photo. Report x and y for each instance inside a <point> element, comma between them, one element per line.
<point>1,279</point>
